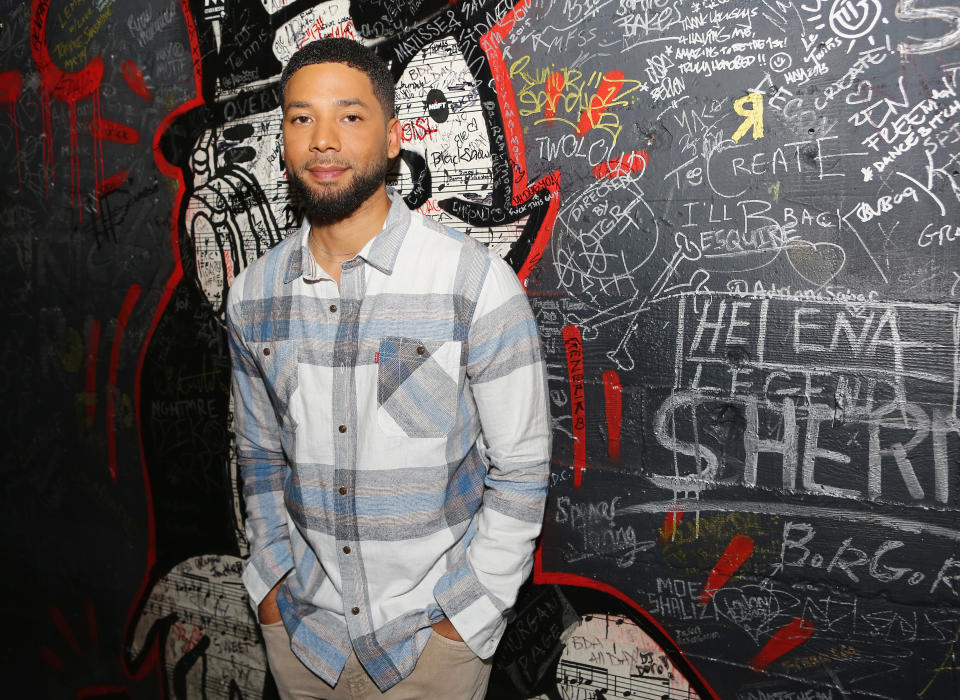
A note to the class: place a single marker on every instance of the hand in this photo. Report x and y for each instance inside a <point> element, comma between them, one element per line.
<point>446,629</point>
<point>268,611</point>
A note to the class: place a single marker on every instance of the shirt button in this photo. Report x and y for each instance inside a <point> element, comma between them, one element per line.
<point>333,308</point>
<point>342,428</point>
<point>266,351</point>
<point>342,490</point>
<point>346,549</point>
<point>356,611</point>
<point>421,350</point>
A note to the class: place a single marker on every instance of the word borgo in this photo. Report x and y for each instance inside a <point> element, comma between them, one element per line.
<point>866,212</point>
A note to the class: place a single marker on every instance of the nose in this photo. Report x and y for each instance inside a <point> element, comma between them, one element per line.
<point>324,136</point>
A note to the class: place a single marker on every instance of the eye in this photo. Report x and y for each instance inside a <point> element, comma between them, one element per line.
<point>353,118</point>
<point>300,119</point>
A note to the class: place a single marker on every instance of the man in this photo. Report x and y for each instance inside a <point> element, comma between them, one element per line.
<point>391,413</point>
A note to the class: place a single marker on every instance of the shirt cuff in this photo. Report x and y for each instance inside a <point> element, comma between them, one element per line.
<point>471,610</point>
<point>264,569</point>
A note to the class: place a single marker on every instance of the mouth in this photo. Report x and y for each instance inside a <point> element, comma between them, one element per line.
<point>325,173</point>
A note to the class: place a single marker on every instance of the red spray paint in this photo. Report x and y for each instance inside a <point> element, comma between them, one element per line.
<point>788,637</point>
<point>573,343</point>
<point>670,523</point>
<point>734,555</point>
<point>11,83</point>
<point>128,303</point>
<point>613,401</point>
<point>609,87</point>
<point>554,89</point>
<point>64,87</point>
<point>135,80</point>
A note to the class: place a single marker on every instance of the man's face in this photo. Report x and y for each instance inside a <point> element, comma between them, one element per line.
<point>337,142</point>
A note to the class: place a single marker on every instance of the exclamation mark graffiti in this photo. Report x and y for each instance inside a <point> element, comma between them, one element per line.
<point>554,89</point>
<point>609,87</point>
<point>613,401</point>
<point>573,343</point>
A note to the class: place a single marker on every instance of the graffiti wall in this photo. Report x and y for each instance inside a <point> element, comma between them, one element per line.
<point>738,222</point>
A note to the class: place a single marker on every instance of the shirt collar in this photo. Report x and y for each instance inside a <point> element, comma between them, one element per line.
<point>381,251</point>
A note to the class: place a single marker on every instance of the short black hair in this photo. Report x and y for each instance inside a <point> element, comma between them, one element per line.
<point>349,53</point>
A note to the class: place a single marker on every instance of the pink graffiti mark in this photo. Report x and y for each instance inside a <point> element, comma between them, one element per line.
<point>135,80</point>
<point>613,402</point>
<point>124,316</point>
<point>573,343</point>
<point>609,87</point>
<point>733,556</point>
<point>63,87</point>
<point>11,83</point>
<point>788,637</point>
<point>624,164</point>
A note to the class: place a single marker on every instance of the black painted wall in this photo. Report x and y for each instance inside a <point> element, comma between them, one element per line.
<point>737,221</point>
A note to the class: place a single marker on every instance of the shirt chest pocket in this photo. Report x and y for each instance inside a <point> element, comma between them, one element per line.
<point>417,386</point>
<point>278,362</point>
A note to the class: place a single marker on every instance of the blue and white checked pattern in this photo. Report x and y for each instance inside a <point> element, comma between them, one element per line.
<point>393,440</point>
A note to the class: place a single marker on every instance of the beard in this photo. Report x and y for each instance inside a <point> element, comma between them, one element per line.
<point>325,206</point>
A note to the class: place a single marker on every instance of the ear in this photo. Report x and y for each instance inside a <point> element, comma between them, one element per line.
<point>393,137</point>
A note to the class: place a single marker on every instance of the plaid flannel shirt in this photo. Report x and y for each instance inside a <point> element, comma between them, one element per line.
<point>393,440</point>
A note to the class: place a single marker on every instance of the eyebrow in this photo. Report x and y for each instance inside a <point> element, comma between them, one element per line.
<point>344,102</point>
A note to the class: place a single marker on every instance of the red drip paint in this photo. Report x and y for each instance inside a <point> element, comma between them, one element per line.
<point>791,635</point>
<point>61,624</point>
<point>128,303</point>
<point>114,131</point>
<point>734,555</point>
<point>609,87</point>
<point>63,87</point>
<point>554,88</point>
<point>135,80</point>
<point>11,83</point>
<point>112,183</point>
<point>52,660</point>
<point>92,628</point>
<point>623,165</point>
<point>93,347</point>
<point>670,523</point>
<point>613,402</point>
<point>573,343</point>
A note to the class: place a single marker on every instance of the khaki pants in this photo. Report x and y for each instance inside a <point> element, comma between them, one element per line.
<point>447,670</point>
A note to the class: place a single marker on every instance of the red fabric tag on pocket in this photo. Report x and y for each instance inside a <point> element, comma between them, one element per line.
<point>376,358</point>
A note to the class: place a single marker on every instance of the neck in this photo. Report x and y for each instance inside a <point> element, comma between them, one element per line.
<point>351,234</point>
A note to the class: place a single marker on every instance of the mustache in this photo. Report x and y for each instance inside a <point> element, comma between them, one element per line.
<point>322,163</point>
